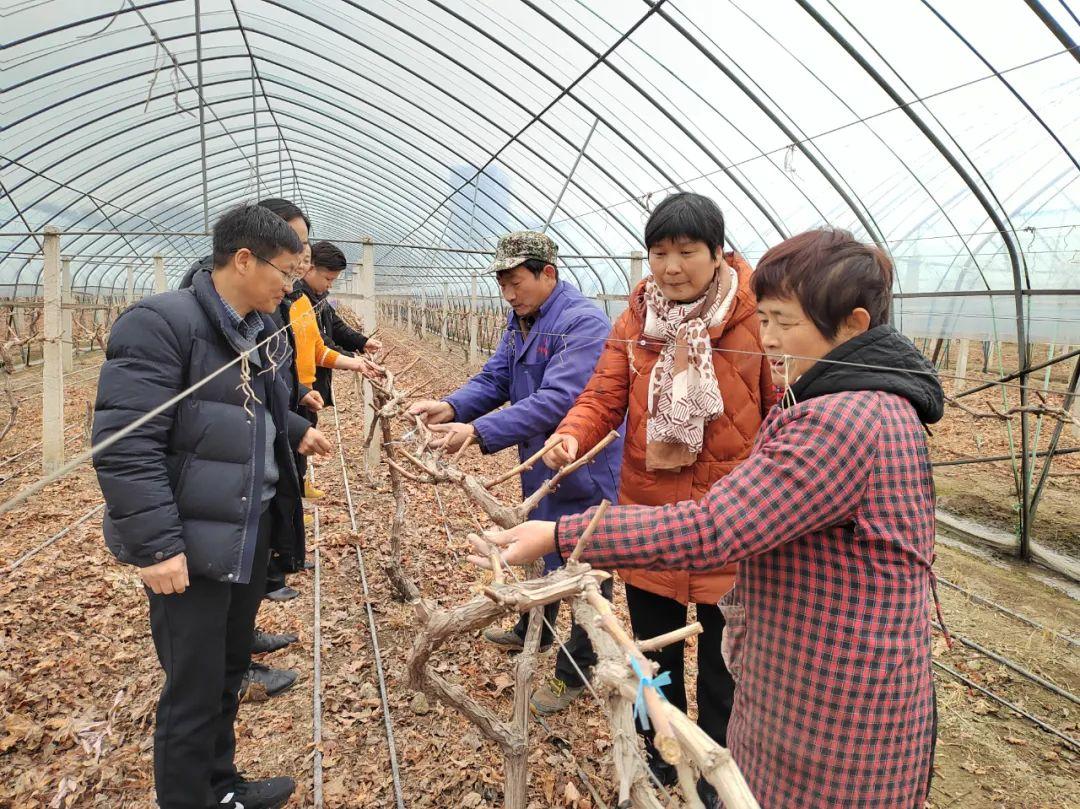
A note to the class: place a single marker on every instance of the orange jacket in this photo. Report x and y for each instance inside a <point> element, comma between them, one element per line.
<point>310,348</point>
<point>620,387</point>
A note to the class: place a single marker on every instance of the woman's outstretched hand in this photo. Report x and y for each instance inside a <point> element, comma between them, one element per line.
<point>520,545</point>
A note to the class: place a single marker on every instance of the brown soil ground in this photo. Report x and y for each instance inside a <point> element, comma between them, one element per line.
<point>988,492</point>
<point>78,678</point>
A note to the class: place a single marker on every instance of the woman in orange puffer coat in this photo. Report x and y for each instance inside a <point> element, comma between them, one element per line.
<point>684,365</point>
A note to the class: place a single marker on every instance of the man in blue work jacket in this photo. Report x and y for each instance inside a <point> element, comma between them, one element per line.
<point>545,358</point>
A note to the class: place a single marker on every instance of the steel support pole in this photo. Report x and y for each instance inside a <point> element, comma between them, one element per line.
<point>202,115</point>
<point>570,174</point>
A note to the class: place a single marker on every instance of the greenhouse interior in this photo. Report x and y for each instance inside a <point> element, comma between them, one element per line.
<point>474,186</point>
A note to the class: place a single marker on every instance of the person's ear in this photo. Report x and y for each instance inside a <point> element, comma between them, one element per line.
<point>856,323</point>
<point>244,261</point>
<point>550,272</point>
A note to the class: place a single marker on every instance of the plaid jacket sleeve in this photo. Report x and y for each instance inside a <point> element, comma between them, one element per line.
<point>809,470</point>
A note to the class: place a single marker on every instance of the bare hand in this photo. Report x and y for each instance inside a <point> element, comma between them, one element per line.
<point>372,346</point>
<point>168,577</point>
<point>432,411</point>
<point>562,453</point>
<point>313,401</point>
<point>314,443</point>
<point>520,545</point>
<point>451,436</point>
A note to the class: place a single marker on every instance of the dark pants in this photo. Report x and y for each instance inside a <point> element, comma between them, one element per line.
<point>652,615</point>
<point>203,641</point>
<point>301,460</point>
<point>578,645</point>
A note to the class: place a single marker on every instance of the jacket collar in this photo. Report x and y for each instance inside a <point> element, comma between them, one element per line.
<point>546,309</point>
<point>202,285</point>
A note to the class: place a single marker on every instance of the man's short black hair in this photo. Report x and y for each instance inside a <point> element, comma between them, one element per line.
<point>258,229</point>
<point>686,216</point>
<point>285,209</point>
<point>327,256</point>
<point>533,265</point>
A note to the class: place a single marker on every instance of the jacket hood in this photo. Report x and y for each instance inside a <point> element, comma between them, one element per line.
<point>880,359</point>
<point>205,263</point>
<point>743,307</point>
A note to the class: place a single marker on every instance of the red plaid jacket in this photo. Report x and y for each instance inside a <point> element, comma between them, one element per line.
<point>831,520</point>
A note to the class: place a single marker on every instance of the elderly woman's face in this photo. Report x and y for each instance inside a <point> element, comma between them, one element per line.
<point>683,269</point>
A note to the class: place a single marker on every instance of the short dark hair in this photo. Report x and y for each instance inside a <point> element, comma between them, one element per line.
<point>258,229</point>
<point>831,274</point>
<point>285,209</point>
<point>327,256</point>
<point>533,265</point>
<point>686,216</point>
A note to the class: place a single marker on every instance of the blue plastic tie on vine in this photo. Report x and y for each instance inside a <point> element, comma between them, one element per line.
<point>644,681</point>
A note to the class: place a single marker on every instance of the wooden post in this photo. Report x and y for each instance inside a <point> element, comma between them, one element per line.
<point>160,284</point>
<point>423,312</point>
<point>474,325</point>
<point>67,351</point>
<point>129,286</point>
<point>636,261</point>
<point>52,374</point>
<point>961,365</point>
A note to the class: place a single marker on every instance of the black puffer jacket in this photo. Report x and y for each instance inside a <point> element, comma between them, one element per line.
<point>189,480</point>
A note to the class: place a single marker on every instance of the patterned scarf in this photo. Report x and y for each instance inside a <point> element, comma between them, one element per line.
<point>683,392</point>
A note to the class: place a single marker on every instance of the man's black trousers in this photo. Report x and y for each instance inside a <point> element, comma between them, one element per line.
<point>203,640</point>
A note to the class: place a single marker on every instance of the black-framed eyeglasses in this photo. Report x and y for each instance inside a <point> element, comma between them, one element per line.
<point>287,275</point>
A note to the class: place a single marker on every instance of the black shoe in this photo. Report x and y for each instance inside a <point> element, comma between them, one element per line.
<point>663,772</point>
<point>707,793</point>
<point>269,793</point>
<point>511,641</point>
<point>285,593</point>
<point>264,642</point>
<point>262,682</point>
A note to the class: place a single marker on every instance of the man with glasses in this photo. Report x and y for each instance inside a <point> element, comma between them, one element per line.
<point>199,496</point>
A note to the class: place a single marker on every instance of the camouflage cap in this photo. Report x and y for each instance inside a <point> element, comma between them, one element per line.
<point>516,248</point>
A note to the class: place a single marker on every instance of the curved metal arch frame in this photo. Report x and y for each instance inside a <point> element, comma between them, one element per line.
<point>1008,85</point>
<point>860,214</point>
<point>436,162</point>
<point>596,55</point>
<point>1007,237</point>
<point>229,56</point>
<point>173,132</point>
<point>723,116</point>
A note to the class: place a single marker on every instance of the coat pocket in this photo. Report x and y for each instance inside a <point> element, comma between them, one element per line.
<point>734,633</point>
